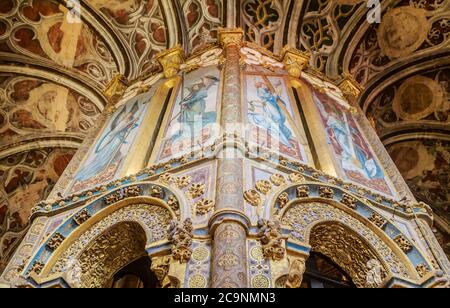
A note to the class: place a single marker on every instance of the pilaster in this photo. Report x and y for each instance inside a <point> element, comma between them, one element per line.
<point>228,226</point>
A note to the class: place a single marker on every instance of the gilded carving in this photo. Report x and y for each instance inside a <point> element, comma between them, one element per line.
<point>166,178</point>
<point>403,243</point>
<point>349,201</point>
<point>303,191</point>
<point>161,266</point>
<point>272,239</point>
<point>171,60</point>
<point>204,206</point>
<point>197,190</point>
<point>350,87</point>
<point>347,245</point>
<point>263,186</point>
<point>37,267</point>
<point>173,203</point>
<point>277,179</point>
<point>378,220</point>
<point>374,274</point>
<point>181,238</point>
<point>157,192</point>
<point>81,217</point>
<point>296,178</point>
<point>297,268</point>
<point>154,219</point>
<point>55,241</point>
<point>326,192</point>
<point>132,191</point>
<point>183,181</point>
<point>116,87</point>
<point>110,252</point>
<point>295,61</point>
<point>283,199</point>
<point>422,269</point>
<point>252,197</point>
<point>229,37</point>
<point>197,281</point>
<point>261,282</point>
<point>113,198</point>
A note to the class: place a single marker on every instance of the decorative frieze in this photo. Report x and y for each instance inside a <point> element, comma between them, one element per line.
<point>296,178</point>
<point>326,192</point>
<point>303,191</point>
<point>349,201</point>
<point>378,220</point>
<point>81,217</point>
<point>55,241</point>
<point>403,243</point>
<point>282,200</point>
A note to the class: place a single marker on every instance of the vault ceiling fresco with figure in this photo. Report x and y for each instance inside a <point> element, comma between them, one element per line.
<point>54,70</point>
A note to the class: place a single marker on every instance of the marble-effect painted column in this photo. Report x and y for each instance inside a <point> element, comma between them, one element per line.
<point>228,224</point>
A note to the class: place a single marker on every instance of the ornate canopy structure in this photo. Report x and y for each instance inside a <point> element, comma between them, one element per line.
<point>223,143</point>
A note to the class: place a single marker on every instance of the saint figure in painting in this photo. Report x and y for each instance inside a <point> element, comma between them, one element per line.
<point>193,116</point>
<point>108,149</point>
<point>267,112</point>
<point>346,140</point>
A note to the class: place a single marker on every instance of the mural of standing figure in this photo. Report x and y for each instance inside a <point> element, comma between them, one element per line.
<point>268,114</point>
<point>346,140</point>
<point>193,116</point>
<point>108,149</point>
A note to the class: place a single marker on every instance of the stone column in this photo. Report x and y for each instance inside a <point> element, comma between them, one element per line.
<point>229,224</point>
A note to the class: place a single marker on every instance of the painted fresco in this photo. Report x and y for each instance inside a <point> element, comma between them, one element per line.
<point>351,150</point>
<point>108,154</point>
<point>26,178</point>
<point>31,105</point>
<point>193,118</point>
<point>270,116</point>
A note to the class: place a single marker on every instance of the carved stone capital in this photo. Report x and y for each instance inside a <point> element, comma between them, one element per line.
<point>116,87</point>
<point>295,61</point>
<point>229,37</point>
<point>350,87</point>
<point>171,60</point>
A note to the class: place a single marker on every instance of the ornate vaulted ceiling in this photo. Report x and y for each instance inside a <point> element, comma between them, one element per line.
<point>53,73</point>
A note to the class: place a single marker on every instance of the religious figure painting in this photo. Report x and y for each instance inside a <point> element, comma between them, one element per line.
<point>351,150</point>
<point>193,118</point>
<point>107,156</point>
<point>270,116</point>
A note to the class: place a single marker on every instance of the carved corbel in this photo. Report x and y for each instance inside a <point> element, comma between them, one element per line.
<point>272,239</point>
<point>171,60</point>
<point>295,61</point>
<point>181,234</point>
<point>116,88</point>
<point>297,268</point>
<point>161,267</point>
<point>351,89</point>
